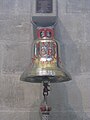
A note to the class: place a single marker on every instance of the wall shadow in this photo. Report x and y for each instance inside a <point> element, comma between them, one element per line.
<point>61,107</point>
<point>68,50</point>
<point>59,98</point>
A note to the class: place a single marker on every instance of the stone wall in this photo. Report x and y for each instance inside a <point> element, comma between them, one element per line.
<point>20,100</point>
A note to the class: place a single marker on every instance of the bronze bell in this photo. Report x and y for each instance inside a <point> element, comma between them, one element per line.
<point>45,60</point>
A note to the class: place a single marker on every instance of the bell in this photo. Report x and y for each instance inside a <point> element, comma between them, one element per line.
<point>45,64</point>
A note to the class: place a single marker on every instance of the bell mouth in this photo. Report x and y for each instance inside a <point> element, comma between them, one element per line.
<point>39,75</point>
<point>51,79</point>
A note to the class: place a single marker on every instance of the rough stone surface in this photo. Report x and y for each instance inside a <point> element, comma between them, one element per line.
<point>14,6</point>
<point>18,115</point>
<point>87,28</point>
<point>20,100</point>
<point>78,6</point>
<point>74,6</point>
<point>1,58</point>
<point>16,56</point>
<point>15,29</point>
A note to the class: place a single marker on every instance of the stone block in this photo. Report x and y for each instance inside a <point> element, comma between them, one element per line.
<point>77,92</point>
<point>62,7</point>
<point>11,93</point>
<point>16,57</point>
<point>74,6</point>
<point>18,96</point>
<point>66,97</point>
<point>87,28</point>
<point>85,57</point>
<point>32,96</point>
<point>71,28</point>
<point>7,6</point>
<point>23,6</point>
<point>69,116</point>
<point>78,6</point>
<point>72,59</point>
<point>16,29</point>
<point>86,6</point>
<point>17,115</point>
<point>1,57</point>
<point>15,7</point>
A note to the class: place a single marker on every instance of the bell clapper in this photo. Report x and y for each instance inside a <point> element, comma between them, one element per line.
<point>45,108</point>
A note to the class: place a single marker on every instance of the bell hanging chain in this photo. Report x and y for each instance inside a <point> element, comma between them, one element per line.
<point>44,108</point>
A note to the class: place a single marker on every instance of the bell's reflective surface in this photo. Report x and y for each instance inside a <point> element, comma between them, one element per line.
<point>45,64</point>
